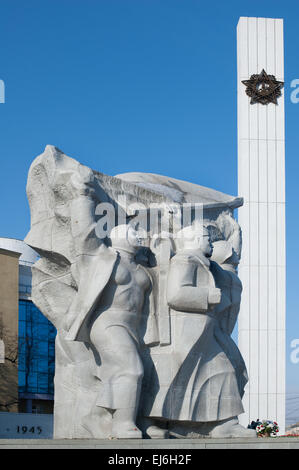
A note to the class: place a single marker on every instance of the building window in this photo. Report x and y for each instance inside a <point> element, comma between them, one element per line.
<point>36,362</point>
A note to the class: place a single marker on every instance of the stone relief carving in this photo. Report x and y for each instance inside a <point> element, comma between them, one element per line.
<point>144,322</point>
<point>198,383</point>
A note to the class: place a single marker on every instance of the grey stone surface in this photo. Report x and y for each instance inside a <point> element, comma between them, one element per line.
<point>143,444</point>
<point>144,324</point>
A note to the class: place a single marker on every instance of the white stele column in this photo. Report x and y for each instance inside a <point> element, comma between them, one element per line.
<point>261,177</point>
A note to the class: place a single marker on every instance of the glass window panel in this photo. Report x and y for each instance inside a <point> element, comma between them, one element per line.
<point>36,350</point>
<point>33,347</point>
<point>33,364</point>
<point>32,380</point>
<point>22,346</point>
<point>52,333</point>
<point>35,326</point>
<point>43,348</point>
<point>42,365</point>
<point>41,318</point>
<point>22,379</point>
<point>22,329</point>
<point>22,362</point>
<point>22,311</point>
<point>43,383</point>
<point>29,328</point>
<point>33,314</point>
<point>51,349</point>
<point>28,314</point>
<point>43,332</point>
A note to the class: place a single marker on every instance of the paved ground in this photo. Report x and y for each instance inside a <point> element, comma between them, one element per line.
<point>123,444</point>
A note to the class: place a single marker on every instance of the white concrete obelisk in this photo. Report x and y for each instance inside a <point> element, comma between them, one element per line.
<point>261,176</point>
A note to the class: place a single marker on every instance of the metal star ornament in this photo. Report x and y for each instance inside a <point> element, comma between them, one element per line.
<point>263,88</point>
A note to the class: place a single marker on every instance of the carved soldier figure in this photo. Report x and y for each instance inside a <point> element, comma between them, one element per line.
<point>111,327</point>
<point>224,262</point>
<point>202,389</point>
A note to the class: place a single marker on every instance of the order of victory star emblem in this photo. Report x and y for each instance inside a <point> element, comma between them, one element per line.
<point>263,88</point>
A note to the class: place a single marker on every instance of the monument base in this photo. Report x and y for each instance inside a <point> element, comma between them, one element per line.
<point>152,444</point>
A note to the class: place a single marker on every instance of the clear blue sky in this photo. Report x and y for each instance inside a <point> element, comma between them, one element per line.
<point>136,85</point>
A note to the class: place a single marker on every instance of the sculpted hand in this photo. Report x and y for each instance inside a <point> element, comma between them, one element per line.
<point>214,296</point>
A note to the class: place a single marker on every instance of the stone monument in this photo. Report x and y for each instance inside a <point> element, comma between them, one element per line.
<point>261,161</point>
<point>138,274</point>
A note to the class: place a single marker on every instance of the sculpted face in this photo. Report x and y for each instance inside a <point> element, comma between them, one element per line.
<point>126,237</point>
<point>205,243</point>
<point>197,237</point>
<point>134,237</point>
